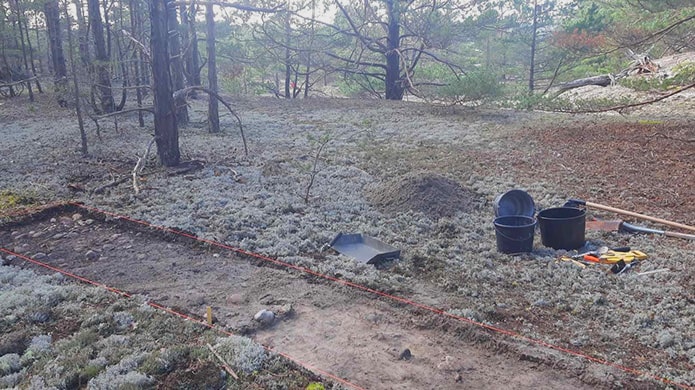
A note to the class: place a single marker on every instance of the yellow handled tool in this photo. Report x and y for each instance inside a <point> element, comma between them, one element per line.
<point>612,257</point>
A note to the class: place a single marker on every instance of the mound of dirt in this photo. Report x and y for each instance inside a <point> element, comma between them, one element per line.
<point>433,195</point>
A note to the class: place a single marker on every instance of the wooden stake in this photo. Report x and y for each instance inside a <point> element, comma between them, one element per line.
<point>209,315</point>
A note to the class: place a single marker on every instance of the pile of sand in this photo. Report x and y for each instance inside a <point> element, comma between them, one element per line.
<point>431,194</point>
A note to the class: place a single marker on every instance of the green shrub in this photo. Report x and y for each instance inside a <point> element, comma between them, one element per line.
<point>477,85</point>
<point>683,73</point>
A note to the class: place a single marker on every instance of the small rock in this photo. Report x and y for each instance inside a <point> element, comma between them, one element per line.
<point>76,217</point>
<point>541,303</point>
<point>405,355</point>
<point>92,255</point>
<point>37,235</point>
<point>39,317</point>
<point>39,256</point>
<point>88,221</point>
<point>53,220</point>
<point>665,339</point>
<point>265,317</point>
<point>58,236</point>
<point>458,378</point>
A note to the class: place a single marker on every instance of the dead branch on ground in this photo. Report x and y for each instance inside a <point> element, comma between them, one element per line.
<point>224,363</point>
<point>15,83</point>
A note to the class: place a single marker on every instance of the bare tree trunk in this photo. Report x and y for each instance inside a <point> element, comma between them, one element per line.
<point>288,68</point>
<point>136,57</point>
<point>31,57</point>
<point>55,42</point>
<point>102,58</point>
<point>177,65</point>
<point>532,63</point>
<point>394,88</point>
<point>165,128</point>
<point>213,104</point>
<point>307,78</point>
<point>83,35</point>
<point>24,49</point>
<point>38,43</point>
<point>192,60</point>
<point>78,105</point>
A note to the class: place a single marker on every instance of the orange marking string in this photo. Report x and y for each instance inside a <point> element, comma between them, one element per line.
<point>183,316</point>
<point>406,301</point>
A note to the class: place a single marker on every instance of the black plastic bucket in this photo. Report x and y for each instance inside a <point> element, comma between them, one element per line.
<point>514,233</point>
<point>514,202</point>
<point>562,227</point>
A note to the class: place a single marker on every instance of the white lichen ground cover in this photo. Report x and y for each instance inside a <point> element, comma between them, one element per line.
<point>258,204</point>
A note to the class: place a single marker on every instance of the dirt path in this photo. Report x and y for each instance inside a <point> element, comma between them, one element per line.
<point>333,328</point>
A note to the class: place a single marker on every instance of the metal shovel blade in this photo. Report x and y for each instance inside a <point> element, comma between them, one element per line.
<point>363,248</point>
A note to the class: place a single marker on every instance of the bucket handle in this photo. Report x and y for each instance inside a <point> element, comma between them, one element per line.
<point>511,238</point>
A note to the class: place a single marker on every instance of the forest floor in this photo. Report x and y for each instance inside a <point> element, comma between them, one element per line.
<point>419,177</point>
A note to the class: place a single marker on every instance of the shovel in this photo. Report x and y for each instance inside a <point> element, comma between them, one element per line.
<point>618,225</point>
<point>579,202</point>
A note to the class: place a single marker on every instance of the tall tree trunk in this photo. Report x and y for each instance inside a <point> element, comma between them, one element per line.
<point>213,104</point>
<point>192,53</point>
<point>532,64</point>
<point>38,42</point>
<point>177,66</point>
<point>24,50</point>
<point>31,57</point>
<point>83,35</point>
<point>101,58</point>
<point>165,129</point>
<point>394,88</point>
<point>307,79</point>
<point>288,67</point>
<point>55,42</point>
<point>78,105</point>
<point>136,57</point>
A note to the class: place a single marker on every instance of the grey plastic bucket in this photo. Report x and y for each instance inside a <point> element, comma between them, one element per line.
<point>514,233</point>
<point>562,227</point>
<point>514,202</point>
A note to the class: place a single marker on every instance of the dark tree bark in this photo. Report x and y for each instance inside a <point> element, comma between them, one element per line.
<point>101,65</point>
<point>532,62</point>
<point>24,49</point>
<point>31,57</point>
<point>213,105</point>
<point>393,83</point>
<point>288,58</point>
<point>177,65</point>
<point>76,90</point>
<point>55,43</point>
<point>192,56</point>
<point>136,57</point>
<point>165,128</point>
<point>83,35</point>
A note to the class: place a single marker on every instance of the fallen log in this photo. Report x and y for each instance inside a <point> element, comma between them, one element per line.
<point>602,81</point>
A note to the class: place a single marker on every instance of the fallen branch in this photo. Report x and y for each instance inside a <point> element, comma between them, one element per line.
<point>114,183</point>
<point>8,85</point>
<point>181,93</point>
<point>224,363</point>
